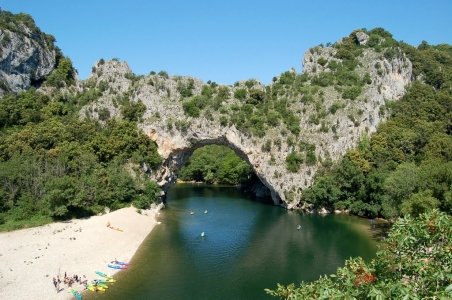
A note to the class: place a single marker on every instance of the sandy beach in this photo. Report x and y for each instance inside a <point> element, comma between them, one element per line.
<point>30,258</point>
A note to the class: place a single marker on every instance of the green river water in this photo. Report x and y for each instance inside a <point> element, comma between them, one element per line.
<point>247,246</point>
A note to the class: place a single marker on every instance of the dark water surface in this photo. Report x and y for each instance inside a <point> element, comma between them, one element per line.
<point>248,246</point>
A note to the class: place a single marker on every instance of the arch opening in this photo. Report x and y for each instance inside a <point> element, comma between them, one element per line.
<point>179,158</point>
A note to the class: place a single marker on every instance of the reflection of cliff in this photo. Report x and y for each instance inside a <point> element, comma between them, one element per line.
<point>321,246</point>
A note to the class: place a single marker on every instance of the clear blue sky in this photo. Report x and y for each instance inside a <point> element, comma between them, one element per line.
<point>223,41</point>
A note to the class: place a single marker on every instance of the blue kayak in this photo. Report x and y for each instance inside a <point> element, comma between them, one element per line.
<point>103,274</point>
<point>120,263</point>
<point>117,266</point>
<point>76,294</point>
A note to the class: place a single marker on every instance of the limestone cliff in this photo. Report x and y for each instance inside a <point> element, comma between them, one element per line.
<point>27,55</point>
<point>330,123</point>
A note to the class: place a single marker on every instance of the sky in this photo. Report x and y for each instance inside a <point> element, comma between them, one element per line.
<point>223,41</point>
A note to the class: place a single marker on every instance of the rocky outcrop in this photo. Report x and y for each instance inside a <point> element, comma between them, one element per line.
<point>26,59</point>
<point>362,38</point>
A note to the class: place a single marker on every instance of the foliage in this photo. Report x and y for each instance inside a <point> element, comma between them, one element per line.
<point>63,75</point>
<point>133,111</point>
<point>215,164</point>
<point>414,264</point>
<point>293,162</point>
<point>55,166</point>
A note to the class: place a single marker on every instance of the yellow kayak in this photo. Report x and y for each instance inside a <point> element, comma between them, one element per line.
<point>100,289</point>
<point>90,287</point>
<point>102,285</point>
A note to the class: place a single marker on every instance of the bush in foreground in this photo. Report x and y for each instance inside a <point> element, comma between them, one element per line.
<point>414,264</point>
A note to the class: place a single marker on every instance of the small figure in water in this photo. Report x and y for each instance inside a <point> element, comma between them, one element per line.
<point>298,227</point>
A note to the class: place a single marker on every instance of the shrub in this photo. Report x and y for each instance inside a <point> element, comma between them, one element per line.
<point>240,94</point>
<point>352,92</point>
<point>293,162</point>
<point>133,111</point>
<point>334,107</point>
<point>322,61</point>
<point>163,74</point>
<point>190,109</point>
<point>104,114</point>
<point>267,147</point>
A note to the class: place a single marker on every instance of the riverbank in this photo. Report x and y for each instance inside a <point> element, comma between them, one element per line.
<point>31,258</point>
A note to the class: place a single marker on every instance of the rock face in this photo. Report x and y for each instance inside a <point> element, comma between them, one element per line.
<point>26,59</point>
<point>362,38</point>
<point>178,135</point>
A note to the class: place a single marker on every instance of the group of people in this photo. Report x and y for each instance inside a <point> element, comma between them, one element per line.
<point>69,281</point>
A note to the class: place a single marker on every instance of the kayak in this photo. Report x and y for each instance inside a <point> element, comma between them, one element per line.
<point>116,228</point>
<point>117,267</point>
<point>76,294</point>
<point>102,285</point>
<point>105,280</point>
<point>94,288</point>
<point>104,275</point>
<point>121,263</point>
<point>90,287</point>
<point>100,289</point>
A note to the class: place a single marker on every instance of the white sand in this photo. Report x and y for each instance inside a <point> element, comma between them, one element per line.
<point>30,258</point>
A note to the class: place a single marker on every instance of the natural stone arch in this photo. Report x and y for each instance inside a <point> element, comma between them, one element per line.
<point>176,154</point>
<point>177,134</point>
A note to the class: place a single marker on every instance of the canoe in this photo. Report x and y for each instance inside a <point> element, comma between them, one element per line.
<point>117,267</point>
<point>104,275</point>
<point>76,295</point>
<point>122,263</point>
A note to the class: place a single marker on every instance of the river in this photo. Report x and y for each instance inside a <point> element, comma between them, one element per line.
<point>247,246</point>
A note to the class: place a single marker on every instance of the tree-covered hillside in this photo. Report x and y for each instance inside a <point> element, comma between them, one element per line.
<point>53,165</point>
<point>406,166</point>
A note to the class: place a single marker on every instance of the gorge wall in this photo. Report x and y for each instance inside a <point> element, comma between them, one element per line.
<point>330,124</point>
